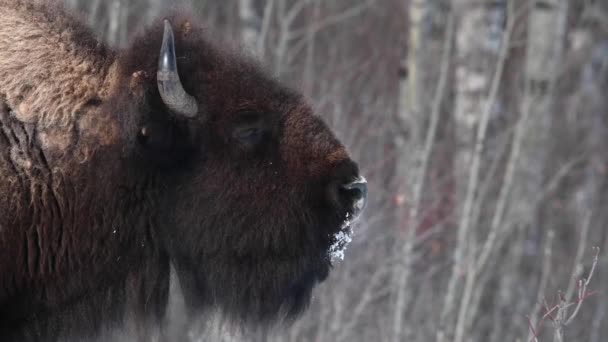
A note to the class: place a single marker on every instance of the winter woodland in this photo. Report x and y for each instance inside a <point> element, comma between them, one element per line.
<point>482,127</point>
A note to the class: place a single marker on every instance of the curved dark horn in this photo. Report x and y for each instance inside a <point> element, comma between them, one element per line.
<point>169,85</point>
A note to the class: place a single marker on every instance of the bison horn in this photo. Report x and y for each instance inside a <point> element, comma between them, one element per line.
<point>169,85</point>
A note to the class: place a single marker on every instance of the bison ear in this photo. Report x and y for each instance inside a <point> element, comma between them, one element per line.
<point>170,86</point>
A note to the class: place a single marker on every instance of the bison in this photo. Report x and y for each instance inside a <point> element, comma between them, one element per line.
<point>117,165</point>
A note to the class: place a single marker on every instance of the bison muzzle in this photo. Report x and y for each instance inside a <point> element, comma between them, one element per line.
<point>117,165</point>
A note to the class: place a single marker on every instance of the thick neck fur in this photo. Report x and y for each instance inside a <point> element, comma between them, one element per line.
<point>62,224</point>
<point>53,74</point>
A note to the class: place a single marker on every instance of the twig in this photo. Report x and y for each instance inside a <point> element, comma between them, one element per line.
<point>580,252</point>
<point>532,330</point>
<point>544,279</point>
<point>583,285</point>
<point>561,319</point>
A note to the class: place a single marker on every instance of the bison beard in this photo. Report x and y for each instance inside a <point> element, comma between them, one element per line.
<point>261,264</point>
<point>116,165</point>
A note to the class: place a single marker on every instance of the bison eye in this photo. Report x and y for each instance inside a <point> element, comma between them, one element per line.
<point>249,136</point>
<point>250,130</point>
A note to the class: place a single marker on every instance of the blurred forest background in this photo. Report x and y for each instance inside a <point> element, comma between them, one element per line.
<point>482,126</point>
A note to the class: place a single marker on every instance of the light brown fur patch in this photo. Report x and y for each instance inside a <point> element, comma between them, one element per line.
<point>99,128</point>
<point>55,141</point>
<point>48,76</point>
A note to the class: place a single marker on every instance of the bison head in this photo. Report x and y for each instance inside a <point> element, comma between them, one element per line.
<point>257,193</point>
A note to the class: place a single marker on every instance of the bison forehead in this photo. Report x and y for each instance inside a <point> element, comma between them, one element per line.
<point>309,144</point>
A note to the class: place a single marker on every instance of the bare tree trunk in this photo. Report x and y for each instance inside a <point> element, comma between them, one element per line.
<point>481,50</point>
<point>118,14</point>
<point>546,34</point>
<point>415,93</point>
<point>250,24</point>
<point>477,48</point>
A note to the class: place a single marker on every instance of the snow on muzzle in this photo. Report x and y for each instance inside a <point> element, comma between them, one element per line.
<point>357,190</point>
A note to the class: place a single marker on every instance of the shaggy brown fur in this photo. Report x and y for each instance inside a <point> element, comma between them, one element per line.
<point>101,187</point>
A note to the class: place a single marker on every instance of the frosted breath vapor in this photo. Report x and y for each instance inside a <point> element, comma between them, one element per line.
<point>115,165</point>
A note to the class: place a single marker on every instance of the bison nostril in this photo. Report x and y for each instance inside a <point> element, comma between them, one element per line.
<point>356,194</point>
